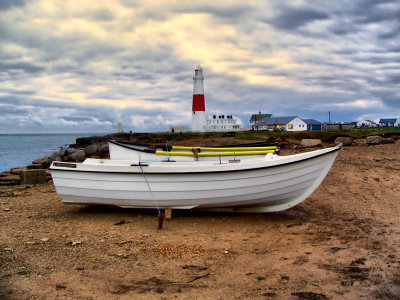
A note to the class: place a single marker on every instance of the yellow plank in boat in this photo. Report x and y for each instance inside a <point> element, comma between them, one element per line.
<point>239,153</point>
<point>230,149</point>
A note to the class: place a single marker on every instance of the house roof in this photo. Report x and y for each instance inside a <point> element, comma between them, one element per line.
<point>311,122</point>
<point>275,121</point>
<point>372,122</point>
<point>387,120</point>
<point>259,117</point>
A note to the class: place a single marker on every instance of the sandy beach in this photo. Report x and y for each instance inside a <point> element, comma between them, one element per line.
<point>343,242</point>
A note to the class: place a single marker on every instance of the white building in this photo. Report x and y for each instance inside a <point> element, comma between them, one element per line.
<point>222,123</point>
<point>392,122</point>
<point>292,123</point>
<point>178,129</point>
<point>366,123</point>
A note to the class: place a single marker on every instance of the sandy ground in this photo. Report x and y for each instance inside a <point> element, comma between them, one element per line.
<point>343,242</point>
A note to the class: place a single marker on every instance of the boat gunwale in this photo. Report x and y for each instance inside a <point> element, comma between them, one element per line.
<point>333,149</point>
<point>132,148</point>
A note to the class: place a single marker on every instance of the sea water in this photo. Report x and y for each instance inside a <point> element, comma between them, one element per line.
<point>18,150</point>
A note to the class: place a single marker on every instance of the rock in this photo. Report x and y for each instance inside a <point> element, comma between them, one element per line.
<point>55,157</point>
<point>77,156</point>
<point>305,143</point>
<point>33,176</point>
<point>74,243</point>
<point>9,179</point>
<point>103,148</point>
<point>388,141</point>
<point>60,287</point>
<point>34,166</point>
<point>17,171</point>
<point>44,161</point>
<point>120,222</point>
<point>374,140</point>
<point>84,141</point>
<point>91,149</point>
<point>71,151</point>
<point>345,141</point>
<point>63,152</point>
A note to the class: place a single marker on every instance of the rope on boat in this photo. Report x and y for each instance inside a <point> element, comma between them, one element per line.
<point>151,192</point>
<point>166,147</point>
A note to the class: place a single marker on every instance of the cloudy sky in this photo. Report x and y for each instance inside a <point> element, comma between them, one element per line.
<point>84,66</point>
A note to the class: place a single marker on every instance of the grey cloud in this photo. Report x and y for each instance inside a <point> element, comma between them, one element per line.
<point>21,66</point>
<point>394,79</point>
<point>378,60</point>
<point>7,4</point>
<point>76,119</point>
<point>12,110</point>
<point>342,27</point>
<point>289,18</point>
<point>102,15</point>
<point>49,47</point>
<point>129,3</point>
<point>393,33</point>
<point>391,99</point>
<point>375,12</point>
<point>234,12</point>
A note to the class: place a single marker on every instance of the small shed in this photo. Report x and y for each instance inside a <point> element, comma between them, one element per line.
<point>337,126</point>
<point>178,129</point>
<point>313,125</point>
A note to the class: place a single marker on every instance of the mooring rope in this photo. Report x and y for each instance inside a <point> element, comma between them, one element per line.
<point>151,192</point>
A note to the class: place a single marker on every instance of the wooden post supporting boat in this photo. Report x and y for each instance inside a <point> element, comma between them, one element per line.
<point>195,153</point>
<point>168,213</point>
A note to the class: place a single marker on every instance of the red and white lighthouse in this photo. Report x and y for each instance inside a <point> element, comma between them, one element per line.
<point>199,122</point>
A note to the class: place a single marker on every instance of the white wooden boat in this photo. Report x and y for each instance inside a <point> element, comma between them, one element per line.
<point>267,184</point>
<point>120,151</point>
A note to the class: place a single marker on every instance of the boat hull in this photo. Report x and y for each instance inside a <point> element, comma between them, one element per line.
<point>268,184</point>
